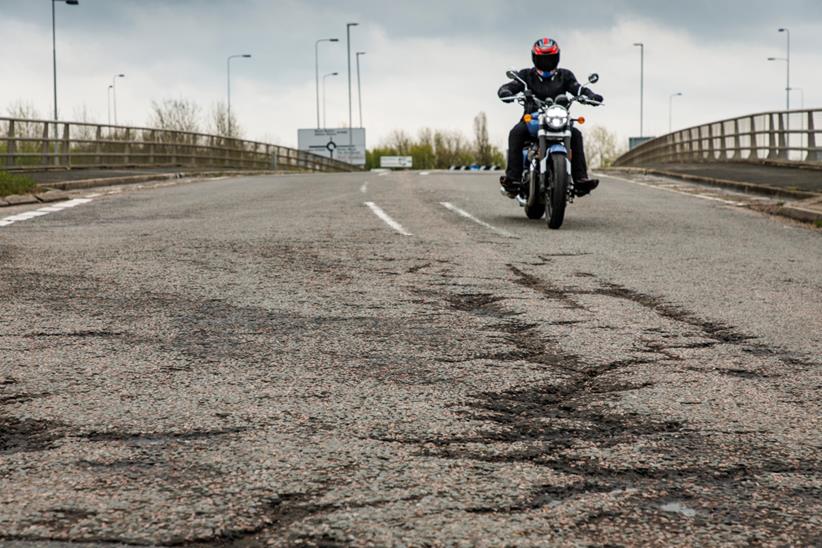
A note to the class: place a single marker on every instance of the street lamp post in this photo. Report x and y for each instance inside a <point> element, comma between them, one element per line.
<point>324,95</point>
<point>359,86</point>
<point>109,103</point>
<point>54,66</point>
<point>228,86</point>
<point>671,110</point>
<point>348,44</point>
<point>114,93</point>
<point>317,71</point>
<point>788,61</point>
<point>641,47</point>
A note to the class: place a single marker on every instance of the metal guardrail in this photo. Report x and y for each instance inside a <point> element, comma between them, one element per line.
<point>45,144</point>
<point>780,137</point>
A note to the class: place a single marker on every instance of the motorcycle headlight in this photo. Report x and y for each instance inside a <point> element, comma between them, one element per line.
<point>557,117</point>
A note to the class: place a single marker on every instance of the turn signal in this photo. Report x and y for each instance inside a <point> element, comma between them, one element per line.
<point>527,118</point>
<point>581,120</point>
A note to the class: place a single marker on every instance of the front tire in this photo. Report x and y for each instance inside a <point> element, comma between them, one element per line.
<point>534,208</point>
<point>557,192</point>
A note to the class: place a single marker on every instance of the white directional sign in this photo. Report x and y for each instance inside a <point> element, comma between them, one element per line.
<point>338,143</point>
<point>396,161</point>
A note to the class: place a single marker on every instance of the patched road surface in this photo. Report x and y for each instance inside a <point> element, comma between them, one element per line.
<point>406,359</point>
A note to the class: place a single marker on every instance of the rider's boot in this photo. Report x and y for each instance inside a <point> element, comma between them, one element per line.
<point>509,187</point>
<point>584,186</point>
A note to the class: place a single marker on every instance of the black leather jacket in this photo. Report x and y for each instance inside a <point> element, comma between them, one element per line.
<point>563,81</point>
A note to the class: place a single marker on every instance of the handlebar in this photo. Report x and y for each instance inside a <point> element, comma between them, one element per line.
<point>521,99</point>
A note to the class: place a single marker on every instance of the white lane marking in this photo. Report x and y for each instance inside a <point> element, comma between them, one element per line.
<point>424,173</point>
<point>364,187</point>
<point>388,220</point>
<point>43,211</point>
<point>711,198</point>
<point>382,174</point>
<point>94,195</point>
<point>462,212</point>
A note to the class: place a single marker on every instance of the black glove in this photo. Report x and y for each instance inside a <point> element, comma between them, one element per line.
<point>597,97</point>
<point>506,95</point>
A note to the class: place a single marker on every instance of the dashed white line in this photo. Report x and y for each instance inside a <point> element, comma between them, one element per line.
<point>387,219</point>
<point>364,187</point>
<point>6,221</point>
<point>711,198</point>
<point>463,213</point>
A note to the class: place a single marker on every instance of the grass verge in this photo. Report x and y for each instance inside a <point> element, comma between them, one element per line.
<point>11,183</point>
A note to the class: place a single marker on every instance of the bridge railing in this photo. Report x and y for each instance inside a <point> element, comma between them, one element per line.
<point>789,137</point>
<point>45,144</point>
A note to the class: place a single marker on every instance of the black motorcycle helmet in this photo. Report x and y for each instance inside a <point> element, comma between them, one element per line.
<point>545,55</point>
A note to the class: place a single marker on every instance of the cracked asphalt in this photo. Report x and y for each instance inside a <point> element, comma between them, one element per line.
<point>259,361</point>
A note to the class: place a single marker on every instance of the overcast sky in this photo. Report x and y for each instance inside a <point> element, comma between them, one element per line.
<point>429,63</point>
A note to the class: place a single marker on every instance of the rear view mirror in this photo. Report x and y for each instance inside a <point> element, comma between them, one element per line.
<point>593,79</point>
<point>512,74</point>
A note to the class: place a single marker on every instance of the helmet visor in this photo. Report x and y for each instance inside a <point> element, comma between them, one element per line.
<point>546,63</point>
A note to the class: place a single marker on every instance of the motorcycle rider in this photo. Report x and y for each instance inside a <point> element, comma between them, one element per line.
<point>545,80</point>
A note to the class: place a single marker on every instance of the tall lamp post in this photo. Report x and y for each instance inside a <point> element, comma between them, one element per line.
<point>114,93</point>
<point>317,71</point>
<point>324,96</point>
<point>671,110</point>
<point>788,60</point>
<point>54,63</point>
<point>348,44</point>
<point>109,103</point>
<point>228,86</point>
<point>359,86</point>
<point>641,47</point>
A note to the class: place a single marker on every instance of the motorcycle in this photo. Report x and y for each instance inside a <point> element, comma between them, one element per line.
<point>548,186</point>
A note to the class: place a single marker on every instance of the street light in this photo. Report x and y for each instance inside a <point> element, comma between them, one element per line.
<point>359,87</point>
<point>788,61</point>
<point>348,43</point>
<point>114,93</point>
<point>228,78</point>
<point>671,110</point>
<point>54,63</point>
<point>317,71</point>
<point>324,96</point>
<point>110,87</point>
<point>641,47</point>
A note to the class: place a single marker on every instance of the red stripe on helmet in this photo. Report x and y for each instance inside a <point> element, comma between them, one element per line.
<point>546,46</point>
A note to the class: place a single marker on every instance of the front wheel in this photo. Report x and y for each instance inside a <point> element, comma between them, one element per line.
<point>534,208</point>
<point>557,191</point>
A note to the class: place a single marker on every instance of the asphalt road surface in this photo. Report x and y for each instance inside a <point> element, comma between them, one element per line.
<point>406,359</point>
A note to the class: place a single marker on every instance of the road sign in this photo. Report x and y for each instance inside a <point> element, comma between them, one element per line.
<point>396,161</point>
<point>334,143</point>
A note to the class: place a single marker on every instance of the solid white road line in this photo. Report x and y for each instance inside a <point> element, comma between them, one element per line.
<point>364,187</point>
<point>458,211</point>
<point>43,211</point>
<point>711,198</point>
<point>388,220</point>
